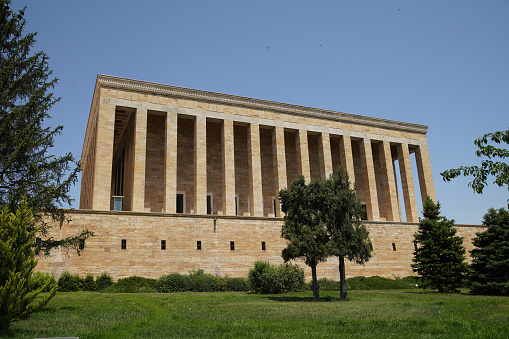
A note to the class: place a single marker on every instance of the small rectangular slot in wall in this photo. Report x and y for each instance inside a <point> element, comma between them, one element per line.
<point>263,246</point>
<point>394,246</point>
<point>198,245</point>
<point>232,245</point>
<point>123,244</point>
<point>163,245</point>
<point>81,244</point>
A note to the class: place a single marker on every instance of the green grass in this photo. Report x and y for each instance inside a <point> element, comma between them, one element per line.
<point>370,314</point>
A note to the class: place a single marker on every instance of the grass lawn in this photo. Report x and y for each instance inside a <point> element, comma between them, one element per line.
<point>371,314</point>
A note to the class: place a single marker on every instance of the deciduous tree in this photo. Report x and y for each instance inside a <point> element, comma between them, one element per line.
<point>439,258</point>
<point>492,164</point>
<point>490,259</point>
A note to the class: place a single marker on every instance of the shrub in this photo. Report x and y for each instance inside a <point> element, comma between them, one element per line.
<point>201,282</point>
<point>379,283</point>
<point>237,284</point>
<point>40,279</point>
<point>262,277</point>
<point>69,282</point>
<point>88,284</point>
<point>267,278</point>
<point>328,285</point>
<point>222,284</point>
<point>103,281</point>
<point>290,278</point>
<point>173,283</point>
<point>132,285</point>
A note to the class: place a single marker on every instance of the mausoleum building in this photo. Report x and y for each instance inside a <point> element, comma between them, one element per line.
<point>175,179</point>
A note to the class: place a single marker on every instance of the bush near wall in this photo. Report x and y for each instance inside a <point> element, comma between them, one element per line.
<point>369,283</point>
<point>133,284</point>
<point>268,278</point>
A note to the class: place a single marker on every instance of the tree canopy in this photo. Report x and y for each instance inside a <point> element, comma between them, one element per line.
<point>439,257</point>
<point>490,259</point>
<point>304,225</point>
<point>491,166</point>
<point>323,219</point>
<point>349,238</point>
<point>27,171</point>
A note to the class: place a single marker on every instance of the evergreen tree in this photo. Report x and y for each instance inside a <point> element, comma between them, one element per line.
<point>304,225</point>
<point>490,259</point>
<point>27,171</point>
<point>439,258</point>
<point>18,288</point>
<point>349,238</point>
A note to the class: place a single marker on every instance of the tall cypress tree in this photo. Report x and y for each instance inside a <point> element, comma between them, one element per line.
<point>439,258</point>
<point>27,171</point>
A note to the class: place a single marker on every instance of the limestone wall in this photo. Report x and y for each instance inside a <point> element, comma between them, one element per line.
<point>143,256</point>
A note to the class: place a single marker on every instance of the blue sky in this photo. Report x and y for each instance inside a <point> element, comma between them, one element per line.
<point>438,63</point>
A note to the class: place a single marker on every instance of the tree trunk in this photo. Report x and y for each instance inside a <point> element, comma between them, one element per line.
<point>342,278</point>
<point>316,293</point>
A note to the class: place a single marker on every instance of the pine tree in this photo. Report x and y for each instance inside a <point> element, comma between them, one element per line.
<point>27,171</point>
<point>349,238</point>
<point>490,259</point>
<point>18,288</point>
<point>439,258</point>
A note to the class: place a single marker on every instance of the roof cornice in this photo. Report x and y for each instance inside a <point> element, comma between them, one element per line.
<point>107,81</point>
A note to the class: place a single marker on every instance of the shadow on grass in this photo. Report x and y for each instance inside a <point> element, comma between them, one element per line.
<point>303,299</point>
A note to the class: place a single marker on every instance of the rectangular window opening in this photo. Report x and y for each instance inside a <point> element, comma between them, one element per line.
<point>274,206</point>
<point>81,244</point>
<point>364,212</point>
<point>232,245</point>
<point>198,245</point>
<point>163,245</point>
<point>393,246</point>
<point>209,203</point>
<point>123,244</point>
<point>181,203</point>
<point>236,204</point>
<point>263,246</point>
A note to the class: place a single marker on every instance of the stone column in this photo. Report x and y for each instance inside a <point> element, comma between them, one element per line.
<point>280,180</point>
<point>140,154</point>
<point>303,151</point>
<point>407,182</point>
<point>200,165</point>
<point>255,170</point>
<point>101,188</point>
<point>170,174</point>
<point>326,159</point>
<point>366,154</point>
<point>424,173</point>
<point>345,145</point>
<point>228,168</point>
<point>391,195</point>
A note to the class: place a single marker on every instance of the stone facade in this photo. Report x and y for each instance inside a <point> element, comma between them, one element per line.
<point>193,166</point>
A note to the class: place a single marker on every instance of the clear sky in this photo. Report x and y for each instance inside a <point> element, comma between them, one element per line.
<point>443,64</point>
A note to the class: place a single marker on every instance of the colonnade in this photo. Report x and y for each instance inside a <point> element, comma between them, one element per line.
<point>275,155</point>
